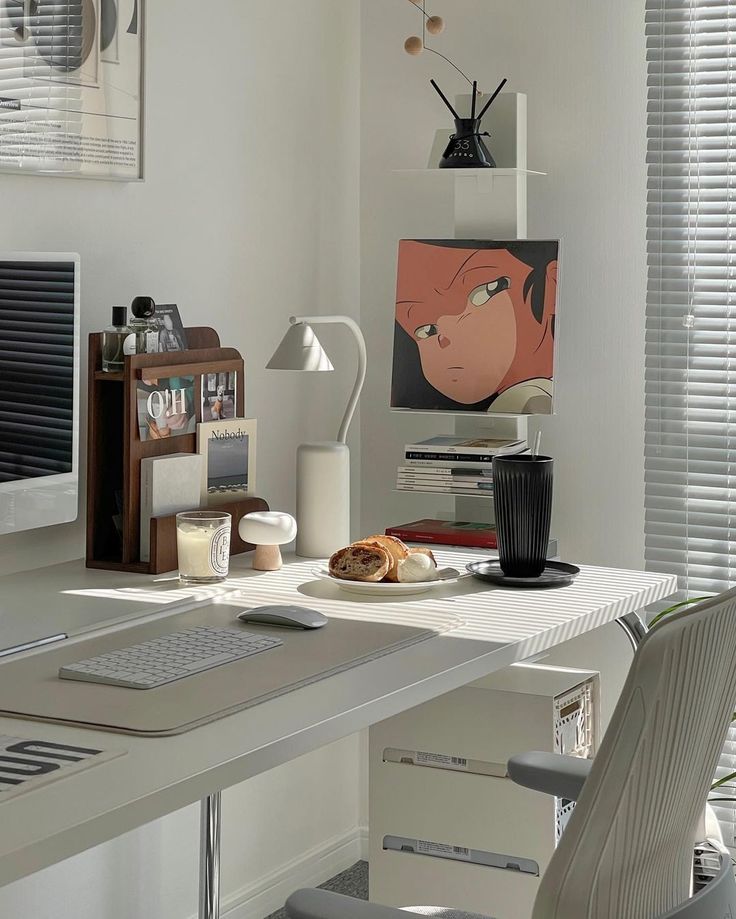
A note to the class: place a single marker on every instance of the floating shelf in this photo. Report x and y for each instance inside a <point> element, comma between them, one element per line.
<point>444,494</point>
<point>483,203</point>
<point>487,203</point>
<point>487,172</point>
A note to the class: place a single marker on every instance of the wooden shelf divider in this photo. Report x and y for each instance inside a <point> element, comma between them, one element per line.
<point>115,450</point>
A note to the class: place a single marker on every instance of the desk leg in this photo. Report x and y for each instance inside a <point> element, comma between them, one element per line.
<point>209,857</point>
<point>633,625</point>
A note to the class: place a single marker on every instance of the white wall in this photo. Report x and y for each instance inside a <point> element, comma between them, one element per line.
<point>582,66</point>
<point>242,221</point>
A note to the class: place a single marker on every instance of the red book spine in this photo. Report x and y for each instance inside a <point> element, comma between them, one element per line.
<point>474,539</point>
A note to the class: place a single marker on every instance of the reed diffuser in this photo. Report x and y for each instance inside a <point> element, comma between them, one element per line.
<point>466,148</point>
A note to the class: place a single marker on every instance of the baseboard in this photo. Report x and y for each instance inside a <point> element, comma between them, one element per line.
<point>314,867</point>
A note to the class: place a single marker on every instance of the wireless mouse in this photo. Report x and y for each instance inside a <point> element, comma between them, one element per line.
<point>290,617</point>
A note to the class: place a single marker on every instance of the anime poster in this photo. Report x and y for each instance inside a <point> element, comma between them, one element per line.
<point>475,326</point>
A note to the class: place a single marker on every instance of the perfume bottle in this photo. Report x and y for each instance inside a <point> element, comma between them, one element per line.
<point>144,328</point>
<point>113,341</point>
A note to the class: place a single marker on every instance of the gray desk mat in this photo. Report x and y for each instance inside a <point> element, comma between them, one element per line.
<point>30,687</point>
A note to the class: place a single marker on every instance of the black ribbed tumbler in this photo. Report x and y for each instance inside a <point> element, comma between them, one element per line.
<point>522,495</point>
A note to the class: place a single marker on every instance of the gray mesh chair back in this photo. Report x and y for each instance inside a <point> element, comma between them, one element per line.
<point>627,851</point>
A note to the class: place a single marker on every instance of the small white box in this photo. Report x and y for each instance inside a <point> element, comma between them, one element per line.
<point>169,484</point>
<point>447,826</point>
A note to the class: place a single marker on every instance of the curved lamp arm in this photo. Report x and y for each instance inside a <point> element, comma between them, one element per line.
<point>362,363</point>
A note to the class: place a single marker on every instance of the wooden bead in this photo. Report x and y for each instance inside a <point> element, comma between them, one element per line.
<point>413,45</point>
<point>435,25</point>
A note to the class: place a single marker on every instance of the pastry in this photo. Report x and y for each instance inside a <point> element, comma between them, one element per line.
<point>393,546</point>
<point>360,562</point>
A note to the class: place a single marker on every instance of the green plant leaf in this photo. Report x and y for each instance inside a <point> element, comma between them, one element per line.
<point>675,607</point>
<point>726,778</point>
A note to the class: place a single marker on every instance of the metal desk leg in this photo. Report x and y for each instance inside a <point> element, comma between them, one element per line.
<point>209,857</point>
<point>633,625</point>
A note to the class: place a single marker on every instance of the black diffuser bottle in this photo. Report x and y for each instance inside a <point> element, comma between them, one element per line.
<point>467,149</point>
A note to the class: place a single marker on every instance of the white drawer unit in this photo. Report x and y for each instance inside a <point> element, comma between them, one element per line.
<point>447,826</point>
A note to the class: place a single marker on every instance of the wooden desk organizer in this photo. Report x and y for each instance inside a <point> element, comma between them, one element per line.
<point>115,451</point>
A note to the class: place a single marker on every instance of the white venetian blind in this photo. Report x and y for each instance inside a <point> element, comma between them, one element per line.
<point>691,316</point>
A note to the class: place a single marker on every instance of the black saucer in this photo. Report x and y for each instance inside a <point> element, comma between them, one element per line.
<point>555,574</point>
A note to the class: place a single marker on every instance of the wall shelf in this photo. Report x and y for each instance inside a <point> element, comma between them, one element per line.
<point>487,203</point>
<point>497,171</point>
<point>443,494</point>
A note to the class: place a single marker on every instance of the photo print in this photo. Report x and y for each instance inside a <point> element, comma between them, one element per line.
<point>219,396</point>
<point>171,334</point>
<point>71,88</point>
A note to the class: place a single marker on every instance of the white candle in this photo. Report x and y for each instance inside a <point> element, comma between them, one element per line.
<point>203,545</point>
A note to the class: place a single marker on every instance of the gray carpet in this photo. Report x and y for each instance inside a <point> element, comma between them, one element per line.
<point>352,883</point>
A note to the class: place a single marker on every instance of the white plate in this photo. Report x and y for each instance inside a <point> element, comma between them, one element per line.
<point>390,588</point>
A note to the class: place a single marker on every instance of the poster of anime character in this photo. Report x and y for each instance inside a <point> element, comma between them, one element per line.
<point>475,326</point>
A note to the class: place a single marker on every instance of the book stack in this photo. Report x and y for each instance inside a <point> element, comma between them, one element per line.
<point>466,534</point>
<point>447,533</point>
<point>453,465</point>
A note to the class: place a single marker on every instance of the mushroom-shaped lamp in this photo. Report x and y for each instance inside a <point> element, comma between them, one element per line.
<point>267,530</point>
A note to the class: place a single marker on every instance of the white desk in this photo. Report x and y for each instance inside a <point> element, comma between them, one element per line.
<point>157,776</point>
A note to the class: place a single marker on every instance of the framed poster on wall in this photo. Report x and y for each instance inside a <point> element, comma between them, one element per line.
<point>71,88</point>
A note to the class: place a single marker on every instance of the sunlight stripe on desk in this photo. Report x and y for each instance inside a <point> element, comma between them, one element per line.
<point>477,610</point>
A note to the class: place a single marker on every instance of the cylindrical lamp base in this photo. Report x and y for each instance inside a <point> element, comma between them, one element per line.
<point>322,498</point>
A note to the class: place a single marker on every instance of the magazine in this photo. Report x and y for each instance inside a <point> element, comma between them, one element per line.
<point>166,408</point>
<point>229,450</point>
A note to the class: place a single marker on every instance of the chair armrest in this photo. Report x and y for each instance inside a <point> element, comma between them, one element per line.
<point>551,773</point>
<point>312,903</point>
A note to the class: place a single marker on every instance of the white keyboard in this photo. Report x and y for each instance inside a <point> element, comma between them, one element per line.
<point>169,657</point>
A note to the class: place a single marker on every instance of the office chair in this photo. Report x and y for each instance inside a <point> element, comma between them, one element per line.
<point>628,849</point>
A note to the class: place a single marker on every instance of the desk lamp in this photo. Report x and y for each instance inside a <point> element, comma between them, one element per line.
<point>322,469</point>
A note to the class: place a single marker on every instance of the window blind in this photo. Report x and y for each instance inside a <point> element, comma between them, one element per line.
<point>36,369</point>
<point>690,462</point>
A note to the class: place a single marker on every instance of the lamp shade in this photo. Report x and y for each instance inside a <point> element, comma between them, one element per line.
<point>300,349</point>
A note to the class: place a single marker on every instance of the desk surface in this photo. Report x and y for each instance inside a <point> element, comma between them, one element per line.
<point>157,776</point>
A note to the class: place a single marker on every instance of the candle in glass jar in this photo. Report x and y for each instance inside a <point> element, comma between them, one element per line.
<point>203,546</point>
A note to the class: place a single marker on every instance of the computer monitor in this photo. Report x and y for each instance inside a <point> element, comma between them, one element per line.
<point>475,326</point>
<point>39,389</point>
